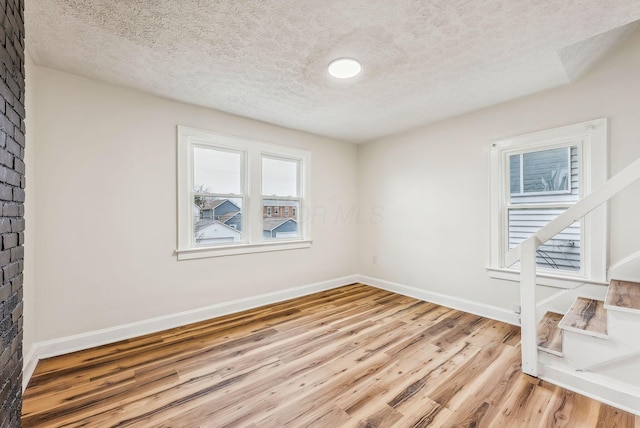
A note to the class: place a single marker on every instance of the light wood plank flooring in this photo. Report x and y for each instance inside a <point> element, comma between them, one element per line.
<point>355,356</point>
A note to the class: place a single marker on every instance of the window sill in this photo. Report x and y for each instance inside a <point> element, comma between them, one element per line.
<point>230,250</point>
<point>551,280</point>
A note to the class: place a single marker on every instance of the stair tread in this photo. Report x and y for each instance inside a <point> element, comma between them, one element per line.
<point>587,316</point>
<point>550,334</point>
<point>624,296</point>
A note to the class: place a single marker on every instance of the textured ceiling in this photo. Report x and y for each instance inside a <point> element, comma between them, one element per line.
<point>423,60</point>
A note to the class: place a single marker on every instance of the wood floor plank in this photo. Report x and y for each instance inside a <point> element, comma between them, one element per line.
<point>482,404</point>
<point>525,407</point>
<point>354,356</point>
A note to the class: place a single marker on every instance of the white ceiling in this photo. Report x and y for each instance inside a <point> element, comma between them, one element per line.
<point>266,59</point>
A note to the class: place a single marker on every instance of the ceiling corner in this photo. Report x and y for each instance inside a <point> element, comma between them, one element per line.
<point>580,57</point>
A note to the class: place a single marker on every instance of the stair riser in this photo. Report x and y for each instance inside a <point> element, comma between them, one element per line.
<point>583,351</point>
<point>623,326</point>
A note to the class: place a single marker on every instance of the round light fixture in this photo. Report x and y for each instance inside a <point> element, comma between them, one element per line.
<point>344,68</point>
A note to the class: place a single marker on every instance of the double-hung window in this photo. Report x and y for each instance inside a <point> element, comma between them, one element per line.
<point>535,178</point>
<point>237,195</point>
<point>280,190</point>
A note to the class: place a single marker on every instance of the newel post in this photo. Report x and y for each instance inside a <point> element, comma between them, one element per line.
<point>529,340</point>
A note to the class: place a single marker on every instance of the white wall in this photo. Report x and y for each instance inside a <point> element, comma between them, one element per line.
<point>106,177</point>
<point>29,272</point>
<point>433,183</point>
<point>101,170</point>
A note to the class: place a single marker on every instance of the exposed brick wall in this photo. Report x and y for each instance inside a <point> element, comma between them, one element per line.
<point>11,208</point>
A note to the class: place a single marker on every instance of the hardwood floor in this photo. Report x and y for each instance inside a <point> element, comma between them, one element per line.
<point>355,356</point>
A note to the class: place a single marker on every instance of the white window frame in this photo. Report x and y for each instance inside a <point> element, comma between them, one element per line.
<point>591,139</point>
<point>279,211</point>
<point>253,241</point>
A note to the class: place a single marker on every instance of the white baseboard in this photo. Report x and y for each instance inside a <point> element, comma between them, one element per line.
<point>29,362</point>
<point>487,311</point>
<point>78,342</point>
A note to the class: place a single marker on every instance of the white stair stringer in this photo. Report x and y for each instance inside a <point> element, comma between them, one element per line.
<point>583,351</point>
<point>625,369</point>
<point>603,388</point>
<point>600,363</point>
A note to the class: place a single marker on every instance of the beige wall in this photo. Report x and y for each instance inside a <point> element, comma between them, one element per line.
<point>106,177</point>
<point>29,298</point>
<point>433,183</point>
<point>101,169</point>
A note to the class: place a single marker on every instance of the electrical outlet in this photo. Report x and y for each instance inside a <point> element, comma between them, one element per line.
<point>374,260</point>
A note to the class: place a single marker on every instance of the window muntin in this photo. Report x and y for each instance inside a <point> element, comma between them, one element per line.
<point>226,171</point>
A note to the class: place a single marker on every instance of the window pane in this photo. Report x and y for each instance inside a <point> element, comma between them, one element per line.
<point>561,252</point>
<point>548,176</point>
<point>279,177</point>
<point>280,219</point>
<point>217,171</point>
<point>514,174</point>
<point>216,220</point>
<point>546,171</point>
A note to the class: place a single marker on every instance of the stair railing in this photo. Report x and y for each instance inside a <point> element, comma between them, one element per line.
<point>526,253</point>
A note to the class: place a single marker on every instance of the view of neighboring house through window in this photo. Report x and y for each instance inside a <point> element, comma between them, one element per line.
<point>280,195</point>
<point>542,184</point>
<point>217,195</point>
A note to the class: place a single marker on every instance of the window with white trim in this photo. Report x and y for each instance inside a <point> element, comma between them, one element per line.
<point>536,177</point>
<point>232,194</point>
<point>280,190</point>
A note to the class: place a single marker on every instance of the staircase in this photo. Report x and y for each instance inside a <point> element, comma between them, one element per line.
<point>596,343</point>
<point>592,346</point>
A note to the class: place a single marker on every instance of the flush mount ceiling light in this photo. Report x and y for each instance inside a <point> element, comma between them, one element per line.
<point>344,68</point>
